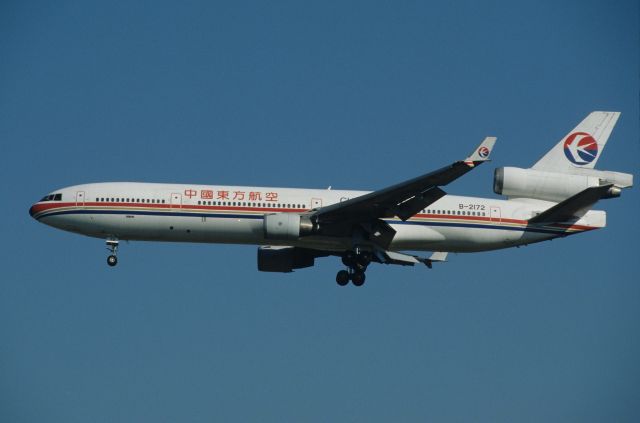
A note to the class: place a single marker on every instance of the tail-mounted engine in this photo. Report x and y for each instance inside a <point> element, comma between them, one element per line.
<point>551,186</point>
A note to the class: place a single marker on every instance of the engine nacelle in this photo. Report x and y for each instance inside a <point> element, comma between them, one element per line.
<point>286,226</point>
<point>283,259</point>
<point>551,186</point>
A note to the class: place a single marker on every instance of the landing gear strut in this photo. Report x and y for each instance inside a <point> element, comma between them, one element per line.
<point>112,245</point>
<point>356,262</point>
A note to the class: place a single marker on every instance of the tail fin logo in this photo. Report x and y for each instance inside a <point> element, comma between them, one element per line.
<point>483,152</point>
<point>580,148</point>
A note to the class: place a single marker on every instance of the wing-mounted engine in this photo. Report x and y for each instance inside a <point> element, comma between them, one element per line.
<point>554,186</point>
<point>286,259</point>
<point>287,226</point>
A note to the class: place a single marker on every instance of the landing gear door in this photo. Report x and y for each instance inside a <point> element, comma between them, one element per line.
<point>176,200</point>
<point>316,203</point>
<point>495,214</point>
<point>80,198</point>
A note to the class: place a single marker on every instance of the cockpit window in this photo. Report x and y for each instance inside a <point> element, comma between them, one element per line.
<point>52,197</point>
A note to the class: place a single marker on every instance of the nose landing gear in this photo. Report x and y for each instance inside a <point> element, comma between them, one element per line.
<point>112,246</point>
<point>356,262</point>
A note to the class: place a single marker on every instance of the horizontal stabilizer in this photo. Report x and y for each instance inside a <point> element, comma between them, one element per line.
<point>568,208</point>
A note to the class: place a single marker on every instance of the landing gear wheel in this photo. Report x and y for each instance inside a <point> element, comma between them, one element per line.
<point>112,246</point>
<point>342,277</point>
<point>358,278</point>
<point>363,259</point>
<point>348,258</point>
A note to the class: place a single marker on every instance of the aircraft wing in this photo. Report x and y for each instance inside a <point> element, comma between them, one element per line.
<point>403,200</point>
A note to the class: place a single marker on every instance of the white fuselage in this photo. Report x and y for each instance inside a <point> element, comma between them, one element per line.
<point>233,214</point>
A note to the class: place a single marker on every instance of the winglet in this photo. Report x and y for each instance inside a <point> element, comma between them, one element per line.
<point>481,153</point>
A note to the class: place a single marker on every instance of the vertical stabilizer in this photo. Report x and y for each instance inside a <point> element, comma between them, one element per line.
<point>582,147</point>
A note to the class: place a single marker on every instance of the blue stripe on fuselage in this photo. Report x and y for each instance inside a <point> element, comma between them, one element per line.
<point>261,216</point>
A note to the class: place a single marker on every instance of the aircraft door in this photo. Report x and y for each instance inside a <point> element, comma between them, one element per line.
<point>494,213</point>
<point>316,203</point>
<point>80,198</point>
<point>176,200</point>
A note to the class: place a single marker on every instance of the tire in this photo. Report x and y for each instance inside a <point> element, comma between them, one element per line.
<point>112,260</point>
<point>358,278</point>
<point>363,260</point>
<point>348,258</point>
<point>342,278</point>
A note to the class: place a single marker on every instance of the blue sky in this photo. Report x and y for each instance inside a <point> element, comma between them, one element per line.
<point>355,95</point>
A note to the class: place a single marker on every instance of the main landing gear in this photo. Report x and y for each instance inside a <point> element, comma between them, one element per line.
<point>356,262</point>
<point>112,245</point>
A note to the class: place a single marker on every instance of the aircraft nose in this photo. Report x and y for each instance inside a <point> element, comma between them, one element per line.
<point>32,211</point>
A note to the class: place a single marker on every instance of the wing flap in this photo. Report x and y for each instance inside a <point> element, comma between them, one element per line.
<point>412,206</point>
<point>394,257</point>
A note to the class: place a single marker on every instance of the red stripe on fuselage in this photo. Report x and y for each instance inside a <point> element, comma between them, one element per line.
<point>46,207</point>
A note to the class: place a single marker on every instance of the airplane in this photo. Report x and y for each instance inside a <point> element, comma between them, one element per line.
<point>293,227</point>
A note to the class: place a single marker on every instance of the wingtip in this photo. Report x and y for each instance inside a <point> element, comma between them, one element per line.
<point>483,151</point>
